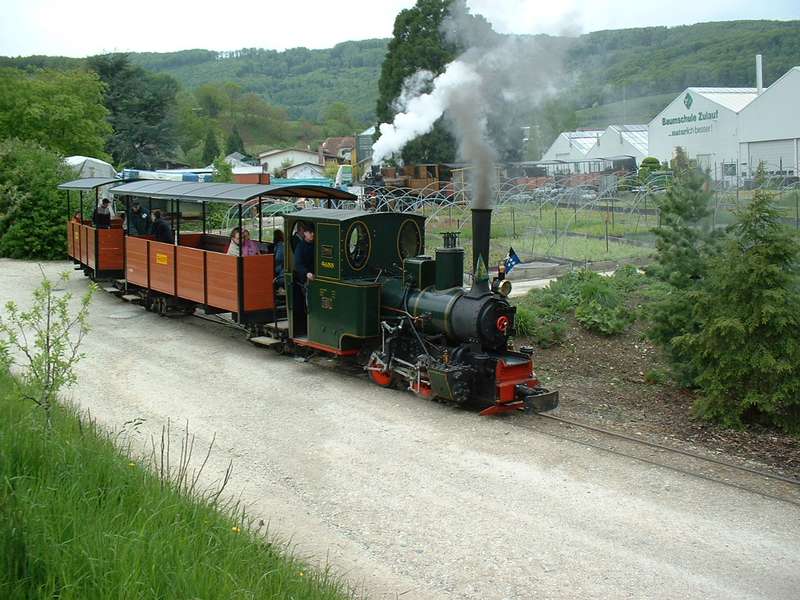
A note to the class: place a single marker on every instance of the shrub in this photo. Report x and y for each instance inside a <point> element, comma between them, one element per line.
<point>544,327</point>
<point>746,346</point>
<point>601,308</point>
<point>32,211</point>
<point>627,279</point>
<point>655,376</point>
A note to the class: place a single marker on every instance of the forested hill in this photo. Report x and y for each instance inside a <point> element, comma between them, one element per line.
<point>603,67</point>
<point>303,81</point>
<point>660,60</point>
<point>644,61</point>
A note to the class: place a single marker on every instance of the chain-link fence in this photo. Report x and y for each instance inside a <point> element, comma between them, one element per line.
<point>605,218</point>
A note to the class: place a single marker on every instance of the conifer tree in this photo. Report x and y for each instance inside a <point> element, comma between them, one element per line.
<point>234,142</point>
<point>210,147</point>
<point>684,244</point>
<point>746,347</point>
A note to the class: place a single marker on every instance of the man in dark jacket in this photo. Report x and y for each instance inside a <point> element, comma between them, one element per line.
<point>302,276</point>
<point>162,229</point>
<point>139,224</point>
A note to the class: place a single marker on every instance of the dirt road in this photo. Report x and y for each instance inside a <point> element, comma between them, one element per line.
<point>411,499</point>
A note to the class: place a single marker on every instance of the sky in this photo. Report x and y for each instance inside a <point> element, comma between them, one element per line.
<point>87,27</point>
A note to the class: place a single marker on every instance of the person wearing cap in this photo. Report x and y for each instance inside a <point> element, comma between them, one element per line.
<point>140,223</point>
<point>101,217</point>
<point>302,276</point>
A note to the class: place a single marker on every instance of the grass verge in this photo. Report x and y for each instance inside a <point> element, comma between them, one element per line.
<point>79,519</point>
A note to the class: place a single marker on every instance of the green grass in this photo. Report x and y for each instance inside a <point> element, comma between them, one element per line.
<point>534,232</point>
<point>79,519</point>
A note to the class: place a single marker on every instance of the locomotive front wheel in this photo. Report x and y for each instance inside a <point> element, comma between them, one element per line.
<point>382,378</point>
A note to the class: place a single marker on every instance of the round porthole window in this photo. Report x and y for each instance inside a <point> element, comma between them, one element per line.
<point>409,240</point>
<point>358,245</point>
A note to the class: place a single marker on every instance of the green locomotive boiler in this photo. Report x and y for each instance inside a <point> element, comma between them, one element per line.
<point>405,315</point>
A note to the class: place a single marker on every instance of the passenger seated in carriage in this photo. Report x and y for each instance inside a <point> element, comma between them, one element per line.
<point>234,247</point>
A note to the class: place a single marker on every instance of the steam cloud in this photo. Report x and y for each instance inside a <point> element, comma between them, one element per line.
<point>484,95</point>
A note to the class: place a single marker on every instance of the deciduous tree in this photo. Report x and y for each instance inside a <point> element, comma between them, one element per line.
<point>32,210</point>
<point>61,110</point>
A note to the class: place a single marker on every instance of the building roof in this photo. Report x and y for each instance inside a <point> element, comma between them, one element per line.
<point>279,150</point>
<point>635,135</point>
<point>734,99</point>
<point>300,164</point>
<point>583,140</point>
<point>87,183</point>
<point>232,193</point>
<point>333,145</point>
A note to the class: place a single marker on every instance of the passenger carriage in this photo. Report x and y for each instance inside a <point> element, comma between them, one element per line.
<point>98,252</point>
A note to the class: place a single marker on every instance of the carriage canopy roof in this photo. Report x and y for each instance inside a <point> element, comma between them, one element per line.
<point>87,183</point>
<point>232,193</point>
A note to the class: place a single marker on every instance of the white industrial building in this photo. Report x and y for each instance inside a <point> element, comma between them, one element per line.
<point>769,129</point>
<point>705,123</point>
<point>730,130</point>
<point>621,141</point>
<point>572,146</point>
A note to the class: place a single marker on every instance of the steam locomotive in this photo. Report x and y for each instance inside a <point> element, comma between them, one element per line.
<point>376,297</point>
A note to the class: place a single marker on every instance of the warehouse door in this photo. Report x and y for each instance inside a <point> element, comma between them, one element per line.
<point>778,157</point>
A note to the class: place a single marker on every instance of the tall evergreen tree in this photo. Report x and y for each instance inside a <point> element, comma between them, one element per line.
<point>210,147</point>
<point>142,111</point>
<point>746,349</point>
<point>417,43</point>
<point>684,244</point>
<point>234,142</point>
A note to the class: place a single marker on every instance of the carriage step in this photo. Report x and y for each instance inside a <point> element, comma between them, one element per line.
<point>263,340</point>
<point>111,289</point>
<point>130,297</point>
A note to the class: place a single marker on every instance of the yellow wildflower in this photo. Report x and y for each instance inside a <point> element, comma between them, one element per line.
<point>235,529</point>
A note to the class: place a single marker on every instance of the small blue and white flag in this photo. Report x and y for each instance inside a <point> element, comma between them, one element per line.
<point>511,260</point>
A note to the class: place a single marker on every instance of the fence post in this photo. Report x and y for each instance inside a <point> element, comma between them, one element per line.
<point>513,224</point>
<point>612,212</point>
<point>606,234</point>
<point>555,222</point>
<point>714,216</point>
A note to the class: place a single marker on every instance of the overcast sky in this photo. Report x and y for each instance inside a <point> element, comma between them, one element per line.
<point>86,27</point>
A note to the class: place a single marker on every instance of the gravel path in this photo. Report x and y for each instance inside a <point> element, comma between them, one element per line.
<point>411,499</point>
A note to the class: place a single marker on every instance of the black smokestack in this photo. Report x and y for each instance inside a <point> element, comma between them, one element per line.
<point>481,230</point>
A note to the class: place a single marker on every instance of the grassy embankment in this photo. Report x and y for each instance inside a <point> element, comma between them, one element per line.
<point>79,519</point>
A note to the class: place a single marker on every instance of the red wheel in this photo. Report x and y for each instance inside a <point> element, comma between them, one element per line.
<point>382,378</point>
<point>423,390</point>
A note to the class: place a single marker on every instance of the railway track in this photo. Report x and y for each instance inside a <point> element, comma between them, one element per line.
<point>694,465</point>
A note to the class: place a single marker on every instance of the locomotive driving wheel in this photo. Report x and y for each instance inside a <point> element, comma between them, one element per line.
<point>378,373</point>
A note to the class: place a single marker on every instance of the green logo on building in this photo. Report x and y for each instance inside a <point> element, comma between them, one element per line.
<point>687,101</point>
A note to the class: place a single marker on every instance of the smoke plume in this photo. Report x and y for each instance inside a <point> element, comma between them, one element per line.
<point>485,95</point>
